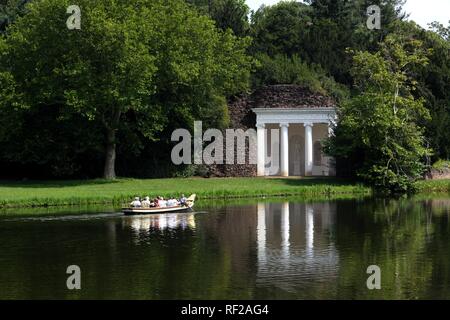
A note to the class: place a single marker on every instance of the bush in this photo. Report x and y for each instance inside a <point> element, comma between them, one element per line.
<point>441,165</point>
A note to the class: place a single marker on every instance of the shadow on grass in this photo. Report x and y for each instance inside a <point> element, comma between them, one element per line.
<point>53,183</point>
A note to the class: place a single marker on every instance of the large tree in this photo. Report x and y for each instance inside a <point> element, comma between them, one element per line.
<point>139,59</point>
<point>379,133</point>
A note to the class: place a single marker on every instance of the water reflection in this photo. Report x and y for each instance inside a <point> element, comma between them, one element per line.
<point>295,241</point>
<point>285,250</point>
<point>160,222</point>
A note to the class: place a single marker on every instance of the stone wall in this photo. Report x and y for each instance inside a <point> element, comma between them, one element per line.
<point>435,174</point>
<point>241,117</point>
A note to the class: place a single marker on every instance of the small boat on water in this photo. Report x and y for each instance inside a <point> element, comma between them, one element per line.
<point>158,210</point>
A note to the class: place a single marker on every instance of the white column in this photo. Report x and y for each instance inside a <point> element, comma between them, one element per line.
<point>308,149</point>
<point>261,162</point>
<point>284,149</point>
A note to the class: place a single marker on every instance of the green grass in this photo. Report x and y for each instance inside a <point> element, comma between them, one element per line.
<point>433,186</point>
<point>82,192</point>
<point>15,194</point>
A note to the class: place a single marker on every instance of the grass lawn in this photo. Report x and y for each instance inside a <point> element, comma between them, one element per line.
<point>120,191</point>
<point>76,192</point>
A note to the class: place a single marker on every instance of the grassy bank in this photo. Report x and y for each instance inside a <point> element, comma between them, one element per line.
<point>433,186</point>
<point>84,192</point>
<point>81,192</point>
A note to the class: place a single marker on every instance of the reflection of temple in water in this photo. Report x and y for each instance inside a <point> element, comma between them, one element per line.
<point>161,221</point>
<point>278,246</point>
<point>295,242</point>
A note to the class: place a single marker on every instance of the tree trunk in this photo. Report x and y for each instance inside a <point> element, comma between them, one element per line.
<point>110,155</point>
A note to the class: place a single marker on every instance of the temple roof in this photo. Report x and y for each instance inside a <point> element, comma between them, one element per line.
<point>275,96</point>
<point>289,97</point>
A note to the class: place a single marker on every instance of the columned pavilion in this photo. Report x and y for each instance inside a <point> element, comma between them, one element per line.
<point>289,141</point>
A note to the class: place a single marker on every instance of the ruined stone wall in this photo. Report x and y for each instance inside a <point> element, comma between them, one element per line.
<point>241,117</point>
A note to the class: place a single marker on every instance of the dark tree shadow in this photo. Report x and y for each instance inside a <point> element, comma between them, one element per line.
<point>53,183</point>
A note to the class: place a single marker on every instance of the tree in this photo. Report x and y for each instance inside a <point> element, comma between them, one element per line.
<point>232,14</point>
<point>140,59</point>
<point>433,84</point>
<point>321,32</point>
<point>281,28</point>
<point>228,14</point>
<point>439,28</point>
<point>10,10</point>
<point>379,130</point>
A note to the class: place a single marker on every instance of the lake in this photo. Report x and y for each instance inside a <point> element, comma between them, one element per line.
<point>256,249</point>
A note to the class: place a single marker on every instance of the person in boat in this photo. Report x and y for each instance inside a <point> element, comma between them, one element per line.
<point>172,202</point>
<point>162,203</point>
<point>183,200</point>
<point>136,203</point>
<point>146,202</point>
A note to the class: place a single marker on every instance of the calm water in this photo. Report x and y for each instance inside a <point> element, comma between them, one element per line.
<point>281,250</point>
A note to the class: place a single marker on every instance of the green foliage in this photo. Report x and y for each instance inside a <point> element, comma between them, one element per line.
<point>134,66</point>
<point>10,10</point>
<point>321,32</point>
<point>379,129</point>
<point>441,165</point>
<point>227,14</point>
<point>282,69</point>
<point>433,85</point>
<point>281,28</point>
<point>231,14</point>
<point>440,29</point>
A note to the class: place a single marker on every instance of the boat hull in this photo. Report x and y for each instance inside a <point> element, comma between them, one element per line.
<point>137,211</point>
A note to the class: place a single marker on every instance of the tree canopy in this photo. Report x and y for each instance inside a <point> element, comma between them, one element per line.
<point>149,59</point>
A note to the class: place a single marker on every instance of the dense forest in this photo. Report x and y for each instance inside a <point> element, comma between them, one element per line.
<point>104,100</point>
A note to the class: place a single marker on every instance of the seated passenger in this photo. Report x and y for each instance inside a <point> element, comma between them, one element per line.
<point>136,203</point>
<point>146,202</point>
<point>172,202</point>
<point>162,203</point>
<point>183,200</point>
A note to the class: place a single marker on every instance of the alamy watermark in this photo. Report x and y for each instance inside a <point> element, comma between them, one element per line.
<point>374,20</point>
<point>237,142</point>
<point>74,20</point>
<point>74,280</point>
<point>374,280</point>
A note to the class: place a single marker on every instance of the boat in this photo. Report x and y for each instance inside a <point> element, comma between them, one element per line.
<point>181,208</point>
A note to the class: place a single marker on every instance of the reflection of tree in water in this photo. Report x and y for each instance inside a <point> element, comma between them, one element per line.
<point>407,239</point>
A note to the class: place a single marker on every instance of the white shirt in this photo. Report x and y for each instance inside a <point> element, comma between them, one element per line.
<point>136,203</point>
<point>162,203</point>
<point>146,203</point>
<point>172,203</point>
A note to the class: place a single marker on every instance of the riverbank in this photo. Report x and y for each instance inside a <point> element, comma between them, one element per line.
<point>120,191</point>
<point>82,192</point>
